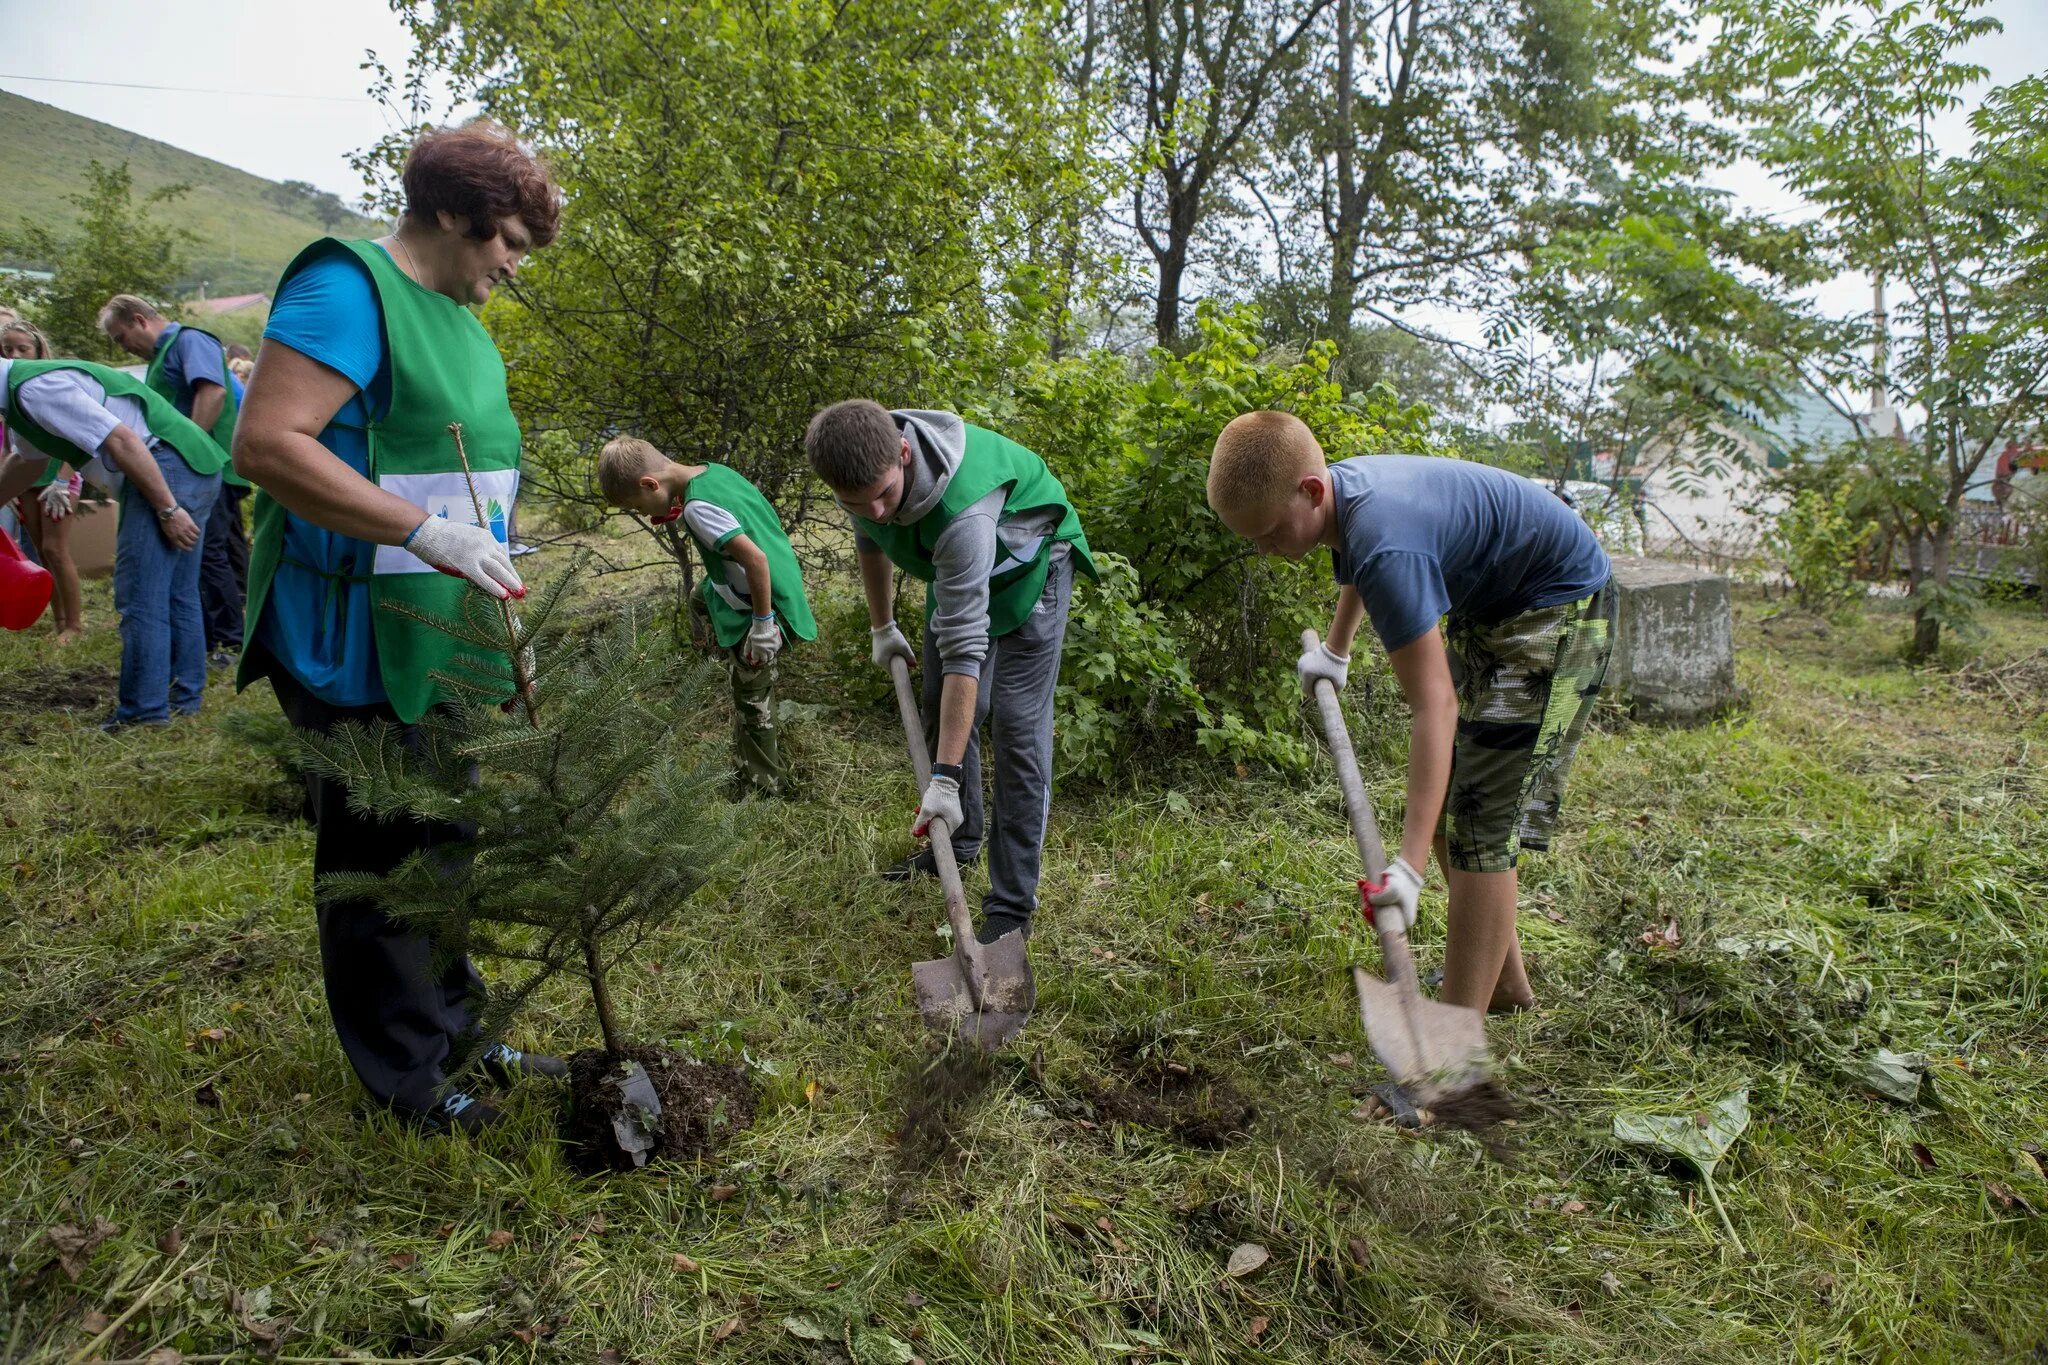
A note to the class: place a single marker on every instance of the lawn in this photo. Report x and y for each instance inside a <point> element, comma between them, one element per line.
<point>1854,861</point>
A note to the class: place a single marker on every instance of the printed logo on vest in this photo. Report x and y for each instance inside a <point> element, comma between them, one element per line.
<point>447,495</point>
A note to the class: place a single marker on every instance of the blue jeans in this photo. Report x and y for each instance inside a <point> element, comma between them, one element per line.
<point>156,590</point>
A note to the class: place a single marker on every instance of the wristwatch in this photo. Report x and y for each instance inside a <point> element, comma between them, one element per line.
<point>955,771</point>
<point>166,513</point>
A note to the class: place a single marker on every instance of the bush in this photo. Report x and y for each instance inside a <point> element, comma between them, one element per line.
<point>1187,640</point>
<point>1819,541</point>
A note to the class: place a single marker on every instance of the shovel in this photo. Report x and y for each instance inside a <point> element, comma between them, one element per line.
<point>982,992</point>
<point>1436,1052</point>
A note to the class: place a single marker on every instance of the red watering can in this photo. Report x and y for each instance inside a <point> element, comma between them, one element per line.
<point>24,587</point>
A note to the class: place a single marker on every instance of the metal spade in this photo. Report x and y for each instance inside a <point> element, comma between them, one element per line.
<point>982,992</point>
<point>1437,1052</point>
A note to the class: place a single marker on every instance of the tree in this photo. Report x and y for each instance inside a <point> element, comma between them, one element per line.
<point>770,206</point>
<point>592,830</point>
<point>1201,82</point>
<point>1843,100</point>
<point>118,247</point>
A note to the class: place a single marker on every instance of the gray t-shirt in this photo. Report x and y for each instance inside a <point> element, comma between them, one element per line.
<point>1423,537</point>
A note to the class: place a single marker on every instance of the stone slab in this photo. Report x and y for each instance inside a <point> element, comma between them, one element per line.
<point>1674,648</point>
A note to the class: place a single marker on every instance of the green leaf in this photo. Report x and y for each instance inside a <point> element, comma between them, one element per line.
<point>1895,1075</point>
<point>1701,1138</point>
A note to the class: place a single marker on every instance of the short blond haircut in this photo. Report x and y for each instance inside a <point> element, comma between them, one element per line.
<point>621,463</point>
<point>1259,460</point>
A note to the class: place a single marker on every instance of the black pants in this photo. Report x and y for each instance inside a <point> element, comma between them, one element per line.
<point>398,1018</point>
<point>224,570</point>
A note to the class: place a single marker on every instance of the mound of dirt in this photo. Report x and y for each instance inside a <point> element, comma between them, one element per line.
<point>1177,1098</point>
<point>702,1105</point>
<point>50,687</point>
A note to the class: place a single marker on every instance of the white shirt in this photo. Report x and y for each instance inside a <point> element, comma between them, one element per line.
<point>73,405</point>
<point>711,524</point>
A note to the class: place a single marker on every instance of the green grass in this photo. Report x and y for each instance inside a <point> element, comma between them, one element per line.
<point>1887,825</point>
<point>245,239</point>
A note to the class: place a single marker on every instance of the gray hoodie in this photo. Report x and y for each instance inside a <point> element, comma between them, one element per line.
<point>965,554</point>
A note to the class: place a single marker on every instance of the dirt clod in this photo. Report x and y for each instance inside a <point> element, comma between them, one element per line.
<point>702,1104</point>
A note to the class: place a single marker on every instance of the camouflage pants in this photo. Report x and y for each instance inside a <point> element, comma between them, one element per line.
<point>1525,688</point>
<point>753,724</point>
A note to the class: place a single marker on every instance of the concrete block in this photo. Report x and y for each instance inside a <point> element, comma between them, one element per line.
<point>1674,649</point>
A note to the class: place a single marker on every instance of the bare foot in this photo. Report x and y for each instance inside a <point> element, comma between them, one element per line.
<point>1504,1003</point>
<point>69,635</point>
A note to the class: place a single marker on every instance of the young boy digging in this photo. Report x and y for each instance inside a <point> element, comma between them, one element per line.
<point>1490,597</point>
<point>752,591</point>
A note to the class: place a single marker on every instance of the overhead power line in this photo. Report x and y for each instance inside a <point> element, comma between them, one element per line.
<point>194,89</point>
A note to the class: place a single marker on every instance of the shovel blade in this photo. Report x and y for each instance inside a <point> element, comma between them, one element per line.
<point>1434,1050</point>
<point>947,999</point>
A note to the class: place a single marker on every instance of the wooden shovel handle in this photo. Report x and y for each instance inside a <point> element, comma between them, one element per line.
<point>1365,830</point>
<point>965,947</point>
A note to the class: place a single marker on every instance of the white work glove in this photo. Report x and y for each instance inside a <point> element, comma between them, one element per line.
<point>763,642</point>
<point>1395,895</point>
<point>1322,662</point>
<point>941,801</point>
<point>465,551</point>
<point>886,643</point>
<point>56,499</point>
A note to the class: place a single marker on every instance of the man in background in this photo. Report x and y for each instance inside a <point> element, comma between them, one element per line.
<point>189,366</point>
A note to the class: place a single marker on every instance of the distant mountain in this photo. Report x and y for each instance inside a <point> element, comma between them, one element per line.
<point>248,227</point>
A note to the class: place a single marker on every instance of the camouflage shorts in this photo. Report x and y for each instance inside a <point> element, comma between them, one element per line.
<point>1525,688</point>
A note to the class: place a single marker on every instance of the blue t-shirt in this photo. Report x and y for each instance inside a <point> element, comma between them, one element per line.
<point>1423,537</point>
<point>190,357</point>
<point>316,621</point>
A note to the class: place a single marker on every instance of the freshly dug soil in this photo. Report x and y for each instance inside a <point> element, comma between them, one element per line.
<point>1178,1098</point>
<point>701,1106</point>
<point>50,687</point>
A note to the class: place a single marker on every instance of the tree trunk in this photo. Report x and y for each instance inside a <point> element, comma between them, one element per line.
<point>1926,617</point>
<point>601,996</point>
<point>1343,298</point>
<point>1173,263</point>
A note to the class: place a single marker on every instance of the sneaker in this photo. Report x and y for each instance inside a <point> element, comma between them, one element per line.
<point>506,1065</point>
<point>463,1113</point>
<point>995,926</point>
<point>919,864</point>
<point>223,658</point>
<point>113,724</point>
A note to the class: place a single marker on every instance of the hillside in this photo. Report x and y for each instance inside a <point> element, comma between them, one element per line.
<point>249,227</point>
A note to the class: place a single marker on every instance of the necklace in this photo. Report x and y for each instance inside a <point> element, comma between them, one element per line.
<point>411,266</point>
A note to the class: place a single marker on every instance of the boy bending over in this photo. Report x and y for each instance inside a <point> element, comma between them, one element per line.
<point>1491,599</point>
<point>752,591</point>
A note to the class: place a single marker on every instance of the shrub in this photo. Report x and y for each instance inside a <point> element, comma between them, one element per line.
<point>1819,541</point>
<point>1187,640</point>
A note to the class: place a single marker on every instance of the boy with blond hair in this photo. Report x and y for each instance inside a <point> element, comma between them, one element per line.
<point>753,594</point>
<point>1491,599</point>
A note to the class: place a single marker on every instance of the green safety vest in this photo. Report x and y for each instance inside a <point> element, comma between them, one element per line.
<point>165,422</point>
<point>990,462</point>
<point>444,368</point>
<point>723,593</point>
<point>223,432</point>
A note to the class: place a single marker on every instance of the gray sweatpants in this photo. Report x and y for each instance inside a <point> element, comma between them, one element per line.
<point>1015,701</point>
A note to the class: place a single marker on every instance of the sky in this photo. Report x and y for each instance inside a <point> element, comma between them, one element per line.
<point>276,86</point>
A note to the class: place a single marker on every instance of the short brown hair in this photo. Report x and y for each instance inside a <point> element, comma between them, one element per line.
<point>480,172</point>
<point>621,463</point>
<point>1259,459</point>
<point>853,443</point>
<point>126,308</point>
